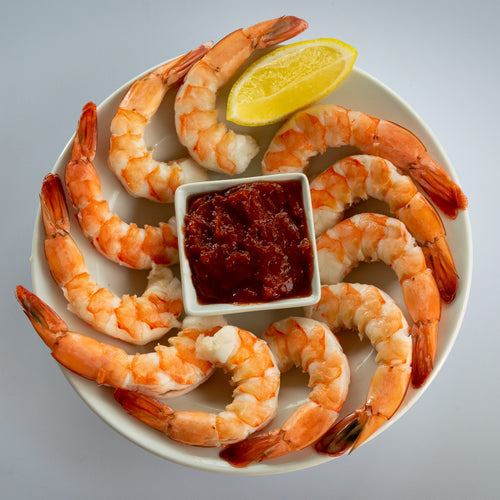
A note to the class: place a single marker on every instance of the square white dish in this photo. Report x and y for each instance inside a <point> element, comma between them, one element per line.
<point>192,305</point>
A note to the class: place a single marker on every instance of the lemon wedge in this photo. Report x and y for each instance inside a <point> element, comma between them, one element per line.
<point>287,79</point>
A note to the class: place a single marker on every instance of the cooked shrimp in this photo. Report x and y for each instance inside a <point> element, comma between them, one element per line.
<point>313,130</point>
<point>310,345</point>
<point>129,157</point>
<point>357,177</point>
<point>209,141</point>
<point>371,237</point>
<point>137,320</point>
<point>373,314</point>
<point>168,371</point>
<point>117,240</point>
<point>255,397</point>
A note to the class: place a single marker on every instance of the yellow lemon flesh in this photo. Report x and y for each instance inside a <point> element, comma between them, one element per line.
<point>287,79</point>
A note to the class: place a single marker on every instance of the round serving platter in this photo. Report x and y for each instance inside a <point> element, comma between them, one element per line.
<point>358,91</point>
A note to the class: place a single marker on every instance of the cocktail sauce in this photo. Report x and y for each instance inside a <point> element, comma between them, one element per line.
<point>249,243</point>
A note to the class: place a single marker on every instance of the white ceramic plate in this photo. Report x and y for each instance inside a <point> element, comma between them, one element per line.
<point>359,91</point>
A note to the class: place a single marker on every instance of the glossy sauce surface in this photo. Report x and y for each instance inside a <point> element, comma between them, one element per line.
<point>249,243</point>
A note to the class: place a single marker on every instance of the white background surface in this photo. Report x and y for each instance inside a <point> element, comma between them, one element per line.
<point>441,57</point>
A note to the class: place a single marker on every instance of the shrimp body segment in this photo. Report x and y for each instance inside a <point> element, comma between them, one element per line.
<point>256,378</point>
<point>372,237</point>
<point>123,243</point>
<point>209,141</point>
<point>357,177</point>
<point>167,371</point>
<point>129,157</point>
<point>136,320</point>
<point>313,130</point>
<point>311,346</point>
<point>373,314</point>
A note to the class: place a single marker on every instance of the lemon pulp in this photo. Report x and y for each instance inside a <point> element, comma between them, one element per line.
<point>287,79</point>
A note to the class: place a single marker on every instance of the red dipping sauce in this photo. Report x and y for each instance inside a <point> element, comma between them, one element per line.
<point>249,243</point>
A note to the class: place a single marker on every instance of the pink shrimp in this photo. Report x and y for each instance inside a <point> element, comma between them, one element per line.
<point>168,371</point>
<point>209,141</point>
<point>137,320</point>
<point>371,237</point>
<point>255,397</point>
<point>313,130</point>
<point>129,157</point>
<point>370,311</point>
<point>117,240</point>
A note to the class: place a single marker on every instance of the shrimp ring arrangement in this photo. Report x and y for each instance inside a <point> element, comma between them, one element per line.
<point>408,306</point>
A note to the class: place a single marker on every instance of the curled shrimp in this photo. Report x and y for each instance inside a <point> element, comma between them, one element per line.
<point>357,177</point>
<point>137,320</point>
<point>168,371</point>
<point>375,315</point>
<point>372,237</point>
<point>313,130</point>
<point>310,345</point>
<point>124,243</point>
<point>129,157</point>
<point>255,397</point>
<point>209,141</point>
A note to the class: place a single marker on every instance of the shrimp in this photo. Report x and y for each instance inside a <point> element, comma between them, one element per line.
<point>209,141</point>
<point>255,398</point>
<point>313,130</point>
<point>370,237</point>
<point>123,243</point>
<point>168,371</point>
<point>137,320</point>
<point>357,177</point>
<point>310,345</point>
<point>375,315</point>
<point>129,157</point>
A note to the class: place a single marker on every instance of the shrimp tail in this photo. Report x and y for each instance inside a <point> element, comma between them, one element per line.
<point>45,320</point>
<point>343,435</point>
<point>254,449</point>
<point>183,65</point>
<point>441,189</point>
<point>147,410</point>
<point>53,206</point>
<point>54,332</point>
<point>424,340</point>
<point>272,32</point>
<point>350,432</point>
<point>439,259</point>
<point>85,143</point>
